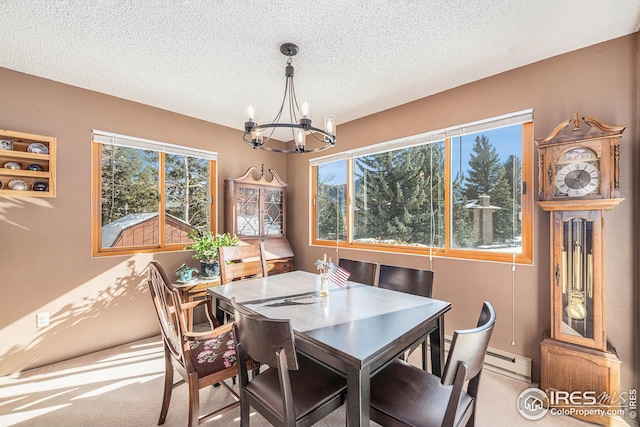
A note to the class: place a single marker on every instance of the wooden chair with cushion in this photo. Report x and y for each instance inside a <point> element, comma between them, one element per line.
<point>242,261</point>
<point>412,281</point>
<point>201,358</point>
<point>404,395</point>
<point>293,390</point>
<point>361,271</point>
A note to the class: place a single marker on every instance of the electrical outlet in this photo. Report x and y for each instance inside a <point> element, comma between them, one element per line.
<point>42,320</point>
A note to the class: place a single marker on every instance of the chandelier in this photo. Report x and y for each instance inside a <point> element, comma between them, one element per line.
<point>258,135</point>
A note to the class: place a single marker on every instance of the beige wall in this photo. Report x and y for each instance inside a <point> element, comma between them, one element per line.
<point>46,261</point>
<point>45,244</point>
<point>600,81</point>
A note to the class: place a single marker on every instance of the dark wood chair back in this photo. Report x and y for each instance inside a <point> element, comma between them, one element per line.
<point>242,261</point>
<point>403,395</point>
<point>409,280</point>
<point>361,271</point>
<point>182,348</point>
<point>293,390</point>
<point>469,346</point>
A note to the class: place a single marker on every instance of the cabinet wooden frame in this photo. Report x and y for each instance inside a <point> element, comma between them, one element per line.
<point>20,155</point>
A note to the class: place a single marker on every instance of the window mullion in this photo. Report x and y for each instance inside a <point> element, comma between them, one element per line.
<point>349,201</point>
<point>448,188</point>
<point>161,199</point>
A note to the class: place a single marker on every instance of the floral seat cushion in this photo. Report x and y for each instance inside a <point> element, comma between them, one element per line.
<point>213,355</point>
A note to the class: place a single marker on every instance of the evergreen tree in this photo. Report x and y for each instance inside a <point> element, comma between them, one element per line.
<point>484,169</point>
<point>330,203</point>
<point>393,191</point>
<point>129,182</point>
<point>488,176</point>
<point>513,174</point>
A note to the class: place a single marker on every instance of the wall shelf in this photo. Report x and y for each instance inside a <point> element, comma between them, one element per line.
<point>18,153</point>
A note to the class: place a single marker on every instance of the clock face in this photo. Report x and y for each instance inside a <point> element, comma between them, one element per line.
<point>577,179</point>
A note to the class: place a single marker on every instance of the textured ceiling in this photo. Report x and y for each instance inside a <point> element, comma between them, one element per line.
<point>209,59</point>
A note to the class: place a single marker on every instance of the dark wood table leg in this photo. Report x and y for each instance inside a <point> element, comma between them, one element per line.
<point>436,340</point>
<point>358,396</point>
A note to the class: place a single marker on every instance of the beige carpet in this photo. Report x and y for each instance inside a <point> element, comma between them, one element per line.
<point>123,387</point>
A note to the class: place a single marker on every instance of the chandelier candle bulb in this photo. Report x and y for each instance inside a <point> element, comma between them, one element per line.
<point>330,124</point>
<point>300,141</point>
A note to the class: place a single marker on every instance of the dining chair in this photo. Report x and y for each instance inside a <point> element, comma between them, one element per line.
<point>201,358</point>
<point>403,395</point>
<point>242,261</point>
<point>361,271</point>
<point>412,281</point>
<point>293,390</point>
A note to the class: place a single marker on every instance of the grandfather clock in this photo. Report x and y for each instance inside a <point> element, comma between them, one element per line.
<point>579,178</point>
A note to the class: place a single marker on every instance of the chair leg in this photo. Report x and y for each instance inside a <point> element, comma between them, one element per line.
<point>244,412</point>
<point>194,401</point>
<point>168,388</point>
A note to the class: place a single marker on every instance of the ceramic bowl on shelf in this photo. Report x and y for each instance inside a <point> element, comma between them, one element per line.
<point>35,167</point>
<point>11,165</point>
<point>38,148</point>
<point>18,184</point>
<point>40,186</point>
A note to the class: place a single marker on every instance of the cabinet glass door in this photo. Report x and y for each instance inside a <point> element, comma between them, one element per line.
<point>273,208</point>
<point>248,208</point>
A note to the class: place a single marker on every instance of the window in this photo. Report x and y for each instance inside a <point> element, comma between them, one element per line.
<point>457,192</point>
<point>147,195</point>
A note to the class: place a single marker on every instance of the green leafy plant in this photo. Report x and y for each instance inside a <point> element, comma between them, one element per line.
<point>206,244</point>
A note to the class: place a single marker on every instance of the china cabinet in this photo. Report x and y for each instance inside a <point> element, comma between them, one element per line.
<point>255,210</point>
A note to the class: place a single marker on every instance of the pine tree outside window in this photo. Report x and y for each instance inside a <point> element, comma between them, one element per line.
<point>460,192</point>
<point>147,195</point>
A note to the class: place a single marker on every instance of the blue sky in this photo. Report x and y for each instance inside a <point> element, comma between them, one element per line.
<point>506,140</point>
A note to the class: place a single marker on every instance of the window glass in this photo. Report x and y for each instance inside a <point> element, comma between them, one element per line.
<point>149,194</point>
<point>186,196</point>
<point>331,201</point>
<point>486,190</point>
<point>456,192</point>
<point>129,195</point>
<point>399,196</point>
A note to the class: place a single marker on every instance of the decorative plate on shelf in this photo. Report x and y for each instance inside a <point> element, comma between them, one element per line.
<point>40,186</point>
<point>11,165</point>
<point>38,148</point>
<point>6,144</point>
<point>35,167</point>
<point>18,184</point>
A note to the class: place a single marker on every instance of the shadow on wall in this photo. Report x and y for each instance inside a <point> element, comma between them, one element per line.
<point>62,329</point>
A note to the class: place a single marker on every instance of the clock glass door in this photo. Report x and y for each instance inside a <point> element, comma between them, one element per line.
<point>577,278</point>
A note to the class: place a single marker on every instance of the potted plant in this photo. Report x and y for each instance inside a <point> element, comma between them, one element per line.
<point>185,273</point>
<point>205,245</point>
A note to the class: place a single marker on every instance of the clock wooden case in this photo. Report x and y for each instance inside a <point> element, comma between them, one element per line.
<point>579,178</point>
<point>581,169</point>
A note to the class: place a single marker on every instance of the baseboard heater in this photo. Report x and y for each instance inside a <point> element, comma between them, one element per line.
<point>503,362</point>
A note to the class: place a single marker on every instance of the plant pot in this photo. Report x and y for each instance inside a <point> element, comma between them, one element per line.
<point>186,276</point>
<point>210,269</point>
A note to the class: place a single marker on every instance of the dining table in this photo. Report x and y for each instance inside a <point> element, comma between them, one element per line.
<point>356,330</point>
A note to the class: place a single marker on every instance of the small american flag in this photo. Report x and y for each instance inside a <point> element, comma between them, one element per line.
<point>337,274</point>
